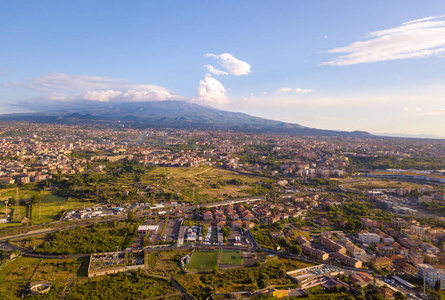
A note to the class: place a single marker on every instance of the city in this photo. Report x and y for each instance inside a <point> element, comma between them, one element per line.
<point>209,202</point>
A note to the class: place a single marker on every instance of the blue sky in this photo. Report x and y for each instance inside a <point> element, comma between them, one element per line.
<point>377,66</point>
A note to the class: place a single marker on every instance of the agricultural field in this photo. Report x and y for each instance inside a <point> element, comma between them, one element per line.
<point>164,263</point>
<point>51,208</point>
<point>30,242</point>
<point>103,237</point>
<point>209,183</point>
<point>368,184</point>
<point>24,193</point>
<point>120,286</point>
<point>318,292</point>
<point>239,279</point>
<point>22,212</point>
<point>17,275</point>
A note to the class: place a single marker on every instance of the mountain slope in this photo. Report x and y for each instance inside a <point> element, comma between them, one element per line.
<point>173,114</point>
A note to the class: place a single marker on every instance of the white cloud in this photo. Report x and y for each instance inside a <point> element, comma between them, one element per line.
<point>211,91</point>
<point>212,70</point>
<point>413,39</point>
<point>233,65</point>
<point>415,109</point>
<point>63,87</point>
<point>303,91</point>
<point>297,90</point>
<point>439,112</point>
<point>101,96</point>
<point>285,90</point>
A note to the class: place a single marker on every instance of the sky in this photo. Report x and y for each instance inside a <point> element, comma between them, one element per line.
<point>377,66</point>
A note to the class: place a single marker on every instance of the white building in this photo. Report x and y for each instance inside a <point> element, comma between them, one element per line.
<point>432,273</point>
<point>368,238</point>
<point>144,229</point>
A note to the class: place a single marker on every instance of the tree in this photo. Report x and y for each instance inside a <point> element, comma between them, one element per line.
<point>296,249</point>
<point>358,225</point>
<point>264,276</point>
<point>131,216</point>
<point>36,198</point>
<point>350,226</point>
<point>437,285</point>
<point>281,273</point>
<point>225,231</point>
<point>262,283</point>
<point>249,279</point>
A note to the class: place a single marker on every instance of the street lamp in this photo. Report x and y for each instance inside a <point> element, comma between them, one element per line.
<point>6,210</point>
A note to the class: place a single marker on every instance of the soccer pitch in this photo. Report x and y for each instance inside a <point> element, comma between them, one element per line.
<point>207,260</point>
<point>203,260</point>
<point>231,258</point>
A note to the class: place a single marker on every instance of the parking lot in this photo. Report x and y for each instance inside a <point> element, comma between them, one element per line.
<point>171,230</point>
<point>237,237</point>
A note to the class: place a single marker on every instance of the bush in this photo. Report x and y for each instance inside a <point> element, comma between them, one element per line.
<point>264,276</point>
<point>262,283</point>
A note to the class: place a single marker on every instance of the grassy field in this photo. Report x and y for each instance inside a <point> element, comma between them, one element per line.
<point>22,209</point>
<point>51,208</point>
<point>164,262</point>
<point>203,260</point>
<point>18,274</point>
<point>380,184</point>
<point>94,238</point>
<point>24,193</point>
<point>120,286</point>
<point>234,280</point>
<point>231,258</point>
<point>205,180</point>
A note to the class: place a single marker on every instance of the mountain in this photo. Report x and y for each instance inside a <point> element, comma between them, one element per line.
<point>174,114</point>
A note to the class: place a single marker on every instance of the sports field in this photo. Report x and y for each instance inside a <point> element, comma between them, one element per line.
<point>203,260</point>
<point>207,260</point>
<point>231,258</point>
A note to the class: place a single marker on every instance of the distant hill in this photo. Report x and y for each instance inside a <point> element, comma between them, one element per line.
<point>174,114</point>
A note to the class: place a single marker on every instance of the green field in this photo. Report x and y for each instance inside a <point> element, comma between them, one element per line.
<point>206,182</point>
<point>15,276</point>
<point>90,239</point>
<point>48,210</point>
<point>207,260</point>
<point>121,286</point>
<point>203,260</point>
<point>231,258</point>
<point>51,208</point>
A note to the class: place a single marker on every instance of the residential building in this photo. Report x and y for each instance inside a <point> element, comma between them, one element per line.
<point>432,274</point>
<point>399,223</point>
<point>318,254</point>
<point>352,262</point>
<point>381,263</point>
<point>415,258</point>
<point>368,238</point>
<point>333,246</point>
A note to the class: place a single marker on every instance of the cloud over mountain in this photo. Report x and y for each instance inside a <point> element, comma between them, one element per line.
<point>211,91</point>
<point>70,88</point>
